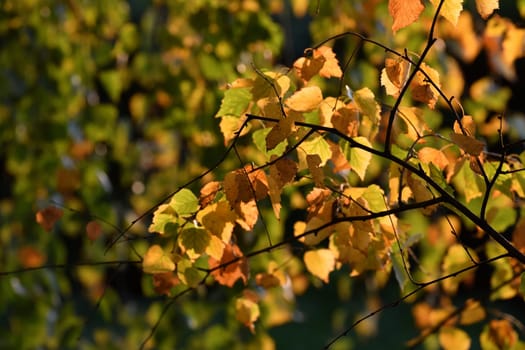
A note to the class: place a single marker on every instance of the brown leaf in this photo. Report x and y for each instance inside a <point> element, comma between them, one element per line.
<point>233,271</point>
<point>404,12</point>
<point>93,230</point>
<point>163,282</point>
<point>468,144</point>
<point>47,217</point>
<point>208,193</point>
<point>242,185</point>
<point>422,89</point>
<point>346,120</point>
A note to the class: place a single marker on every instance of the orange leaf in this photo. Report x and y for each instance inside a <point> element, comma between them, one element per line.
<point>468,124</point>
<point>306,99</point>
<point>320,61</point>
<point>422,89</point>
<point>432,155</point>
<point>93,230</point>
<point>486,7</point>
<point>228,274</point>
<point>30,257</point>
<point>404,12</point>
<point>394,75</point>
<point>48,216</point>
<point>320,263</point>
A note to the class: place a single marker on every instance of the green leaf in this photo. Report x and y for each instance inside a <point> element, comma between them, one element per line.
<point>194,241</point>
<point>259,139</point>
<point>359,159</point>
<point>522,285</point>
<point>319,146</point>
<point>235,102</point>
<point>184,202</point>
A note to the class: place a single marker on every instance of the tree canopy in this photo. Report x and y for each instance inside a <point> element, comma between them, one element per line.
<point>262,174</point>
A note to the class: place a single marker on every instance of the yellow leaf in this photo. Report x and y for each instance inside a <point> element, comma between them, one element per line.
<point>157,261</point>
<point>404,12</point>
<point>219,219</point>
<point>452,338</point>
<point>230,125</point>
<point>215,247</point>
<point>486,7</point>
<point>450,9</point>
<point>320,263</point>
<point>468,124</point>
<point>306,99</point>
<point>247,312</point>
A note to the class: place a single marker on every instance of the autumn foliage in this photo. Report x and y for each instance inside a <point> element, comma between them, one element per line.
<point>401,181</point>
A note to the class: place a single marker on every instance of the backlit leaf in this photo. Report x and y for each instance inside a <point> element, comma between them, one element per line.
<point>219,219</point>
<point>164,220</point>
<point>163,282</point>
<point>450,9</point>
<point>30,257</point>
<point>306,99</point>
<point>231,267</point>
<point>317,145</point>
<point>486,7</point>
<point>184,202</point>
<point>157,261</point>
<point>358,158</point>
<point>234,103</point>
<point>247,312</point>
<point>320,61</point>
<point>421,88</point>
<point>395,74</point>
<point>404,12</point>
<point>320,263</point>
<point>451,338</point>
<point>194,241</point>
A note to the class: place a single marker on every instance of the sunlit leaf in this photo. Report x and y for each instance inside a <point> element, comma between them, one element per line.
<point>157,261</point>
<point>404,12</point>
<point>498,334</point>
<point>317,145</point>
<point>486,7</point>
<point>306,99</point>
<point>450,9</point>
<point>219,219</point>
<point>31,257</point>
<point>320,263</point>
<point>184,202</point>
<point>194,241</point>
<point>231,267</point>
<point>451,338</point>
<point>164,220</point>
<point>247,312</point>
